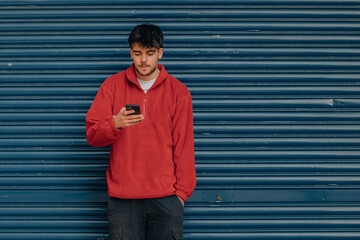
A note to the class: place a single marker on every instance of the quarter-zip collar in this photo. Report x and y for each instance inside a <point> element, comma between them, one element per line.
<point>131,76</point>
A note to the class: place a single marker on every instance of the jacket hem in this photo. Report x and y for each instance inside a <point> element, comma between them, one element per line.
<point>140,197</point>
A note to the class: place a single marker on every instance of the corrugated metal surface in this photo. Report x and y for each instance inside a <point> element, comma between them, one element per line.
<point>275,87</point>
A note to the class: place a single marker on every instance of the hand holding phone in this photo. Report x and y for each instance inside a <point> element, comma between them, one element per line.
<point>126,118</point>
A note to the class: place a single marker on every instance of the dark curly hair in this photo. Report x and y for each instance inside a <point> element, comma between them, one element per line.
<point>146,35</point>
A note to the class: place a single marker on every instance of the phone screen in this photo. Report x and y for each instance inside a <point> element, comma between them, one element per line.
<point>133,107</point>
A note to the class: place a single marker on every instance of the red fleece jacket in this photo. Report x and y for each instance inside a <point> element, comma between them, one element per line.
<point>154,158</point>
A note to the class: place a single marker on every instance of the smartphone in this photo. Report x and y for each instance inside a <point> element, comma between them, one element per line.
<point>133,107</point>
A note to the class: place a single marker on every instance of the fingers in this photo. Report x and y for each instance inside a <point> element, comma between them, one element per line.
<point>123,119</point>
<point>127,112</point>
<point>126,121</point>
<point>133,119</point>
<point>122,110</point>
<point>132,116</point>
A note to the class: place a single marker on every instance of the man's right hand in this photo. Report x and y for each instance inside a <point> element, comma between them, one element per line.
<point>123,119</point>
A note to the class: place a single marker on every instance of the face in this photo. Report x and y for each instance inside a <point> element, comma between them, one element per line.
<point>145,61</point>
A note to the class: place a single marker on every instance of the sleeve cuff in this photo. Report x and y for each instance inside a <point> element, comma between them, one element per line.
<point>182,195</point>
<point>115,130</point>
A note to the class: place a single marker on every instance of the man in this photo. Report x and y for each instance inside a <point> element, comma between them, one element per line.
<point>151,171</point>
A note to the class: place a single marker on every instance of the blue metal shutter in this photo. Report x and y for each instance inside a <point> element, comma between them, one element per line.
<point>275,88</point>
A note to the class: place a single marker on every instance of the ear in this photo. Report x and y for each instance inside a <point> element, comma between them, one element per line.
<point>161,51</point>
<point>131,53</point>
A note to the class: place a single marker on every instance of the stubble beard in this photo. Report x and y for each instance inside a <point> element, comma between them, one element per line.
<point>145,75</point>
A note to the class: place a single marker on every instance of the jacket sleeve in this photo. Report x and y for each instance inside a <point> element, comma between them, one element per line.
<point>100,126</point>
<point>183,148</point>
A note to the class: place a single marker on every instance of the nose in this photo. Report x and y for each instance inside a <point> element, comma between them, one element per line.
<point>143,58</point>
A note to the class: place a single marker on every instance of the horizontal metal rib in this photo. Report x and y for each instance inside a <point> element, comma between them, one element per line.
<point>181,27</point>
<point>213,143</point>
<point>171,14</point>
<point>185,2</point>
<point>212,40</point>
<point>84,105</point>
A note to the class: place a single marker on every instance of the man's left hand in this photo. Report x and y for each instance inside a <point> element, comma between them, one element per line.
<point>181,200</point>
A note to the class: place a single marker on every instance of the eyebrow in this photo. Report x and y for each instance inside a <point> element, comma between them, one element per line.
<point>146,51</point>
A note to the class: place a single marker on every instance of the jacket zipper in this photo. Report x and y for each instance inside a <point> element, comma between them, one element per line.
<point>144,104</point>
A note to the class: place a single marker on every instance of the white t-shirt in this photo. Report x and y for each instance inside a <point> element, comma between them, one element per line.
<point>146,85</point>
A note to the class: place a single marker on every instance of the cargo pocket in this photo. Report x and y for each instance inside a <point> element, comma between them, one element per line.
<point>178,233</point>
<point>115,234</point>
